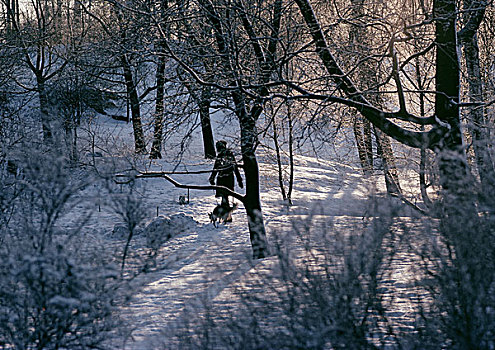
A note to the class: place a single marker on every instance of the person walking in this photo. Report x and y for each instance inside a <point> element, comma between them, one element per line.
<point>224,169</point>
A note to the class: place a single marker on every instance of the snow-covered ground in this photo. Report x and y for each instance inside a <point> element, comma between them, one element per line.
<point>205,263</point>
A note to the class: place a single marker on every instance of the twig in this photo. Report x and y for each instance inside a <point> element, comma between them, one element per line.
<point>409,203</point>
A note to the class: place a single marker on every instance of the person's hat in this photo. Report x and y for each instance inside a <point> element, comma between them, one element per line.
<point>221,144</point>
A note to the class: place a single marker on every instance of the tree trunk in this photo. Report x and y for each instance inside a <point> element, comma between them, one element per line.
<point>11,15</point>
<point>477,124</point>
<point>158,117</point>
<point>291,153</point>
<point>368,144</point>
<point>363,144</point>
<point>452,162</point>
<point>386,153</point>
<point>204,115</point>
<point>279,159</point>
<point>139,144</point>
<point>71,142</point>
<point>455,177</point>
<point>358,38</point>
<point>252,202</point>
<point>447,74</point>
<point>44,110</point>
<point>422,161</point>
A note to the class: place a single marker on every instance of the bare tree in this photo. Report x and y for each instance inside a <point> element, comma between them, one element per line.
<point>445,134</point>
<point>160,86</point>
<point>39,33</point>
<point>125,29</point>
<point>368,72</point>
<point>473,13</point>
<point>123,35</point>
<point>246,109</point>
<point>197,53</point>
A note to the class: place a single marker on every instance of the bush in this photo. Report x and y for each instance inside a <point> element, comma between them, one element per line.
<point>335,287</point>
<point>321,291</point>
<point>461,289</point>
<point>49,300</point>
<point>55,292</point>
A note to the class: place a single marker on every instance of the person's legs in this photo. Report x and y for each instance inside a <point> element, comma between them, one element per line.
<point>226,204</point>
<point>226,180</point>
<point>225,200</point>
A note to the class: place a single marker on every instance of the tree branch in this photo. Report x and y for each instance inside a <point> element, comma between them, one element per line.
<point>147,91</point>
<point>162,174</point>
<point>395,73</point>
<point>472,25</point>
<point>347,86</point>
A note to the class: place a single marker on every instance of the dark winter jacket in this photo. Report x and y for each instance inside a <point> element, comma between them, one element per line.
<point>225,167</point>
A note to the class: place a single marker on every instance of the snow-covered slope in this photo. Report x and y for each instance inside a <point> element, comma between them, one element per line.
<point>202,262</point>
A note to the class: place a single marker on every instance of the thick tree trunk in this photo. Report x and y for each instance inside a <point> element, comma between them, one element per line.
<point>458,197</point>
<point>252,202</point>
<point>447,75</point>
<point>158,117</point>
<point>139,144</point>
<point>452,158</point>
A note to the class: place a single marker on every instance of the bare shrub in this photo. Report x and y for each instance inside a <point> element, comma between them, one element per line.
<point>129,206</point>
<point>461,286</point>
<point>50,300</point>
<point>321,291</point>
<point>52,293</point>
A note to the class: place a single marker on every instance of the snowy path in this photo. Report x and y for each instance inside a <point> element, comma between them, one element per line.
<point>199,265</point>
<point>205,264</point>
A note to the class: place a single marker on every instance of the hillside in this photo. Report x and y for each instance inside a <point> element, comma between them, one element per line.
<point>202,267</point>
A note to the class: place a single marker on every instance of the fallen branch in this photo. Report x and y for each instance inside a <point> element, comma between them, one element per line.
<point>164,175</point>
